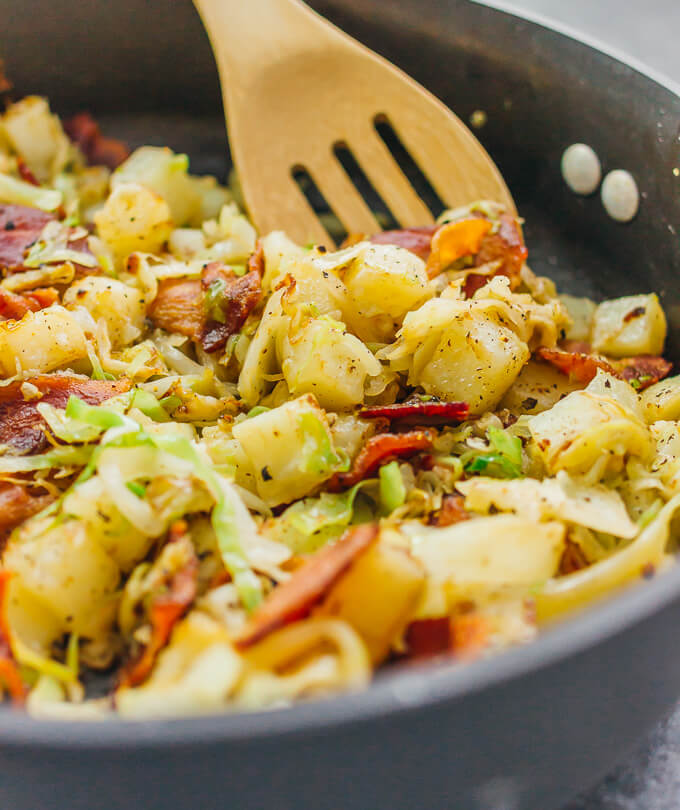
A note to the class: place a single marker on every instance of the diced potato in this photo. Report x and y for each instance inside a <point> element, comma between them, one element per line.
<point>588,427</point>
<point>320,357</point>
<point>41,341</point>
<point>134,218</point>
<point>37,135</point>
<point>488,552</point>
<point>662,400</point>
<point>624,327</point>
<point>186,243</point>
<point>537,388</point>
<point>91,504</point>
<point>164,172</point>
<point>386,280</point>
<point>120,306</point>
<point>474,358</point>
<point>291,449</point>
<point>581,312</point>
<point>65,570</point>
<point>378,596</point>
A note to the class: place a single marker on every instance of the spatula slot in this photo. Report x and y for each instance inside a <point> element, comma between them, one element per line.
<point>364,186</point>
<point>407,164</point>
<point>319,204</point>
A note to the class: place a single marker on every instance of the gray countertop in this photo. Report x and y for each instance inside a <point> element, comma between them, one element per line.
<point>648,30</point>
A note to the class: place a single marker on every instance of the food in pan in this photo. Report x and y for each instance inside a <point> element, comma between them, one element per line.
<point>238,472</point>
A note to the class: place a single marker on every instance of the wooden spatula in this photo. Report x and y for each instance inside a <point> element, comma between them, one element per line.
<point>295,87</point>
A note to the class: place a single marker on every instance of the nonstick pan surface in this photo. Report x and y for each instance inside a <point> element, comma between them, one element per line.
<point>524,730</point>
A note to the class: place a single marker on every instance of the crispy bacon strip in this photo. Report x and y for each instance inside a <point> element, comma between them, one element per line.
<point>507,246</point>
<point>641,371</point>
<point>295,598</point>
<point>25,173</point>
<point>180,305</point>
<point>10,677</point>
<point>166,609</point>
<point>16,506</point>
<point>426,638</point>
<point>20,226</point>
<point>573,558</point>
<point>644,370</point>
<point>22,427</point>
<point>241,295</point>
<point>417,240</point>
<point>256,259</point>
<point>576,365</point>
<point>452,511</point>
<point>419,412</point>
<point>14,306</point>
<point>469,635</point>
<point>83,130</point>
<point>377,451</point>
<point>455,240</point>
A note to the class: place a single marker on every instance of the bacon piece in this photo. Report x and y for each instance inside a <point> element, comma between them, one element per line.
<point>576,365</point>
<point>25,173</point>
<point>452,511</point>
<point>297,596</point>
<point>20,226</point>
<point>505,245</point>
<point>419,412</point>
<point>469,635</point>
<point>573,559</point>
<point>180,305</point>
<point>166,609</point>
<point>14,306</point>
<point>22,427</point>
<point>239,297</point>
<point>256,259</point>
<point>10,677</point>
<point>16,506</point>
<point>455,240</point>
<point>377,451</point>
<point>83,130</point>
<point>643,371</point>
<point>417,240</point>
<point>426,638</point>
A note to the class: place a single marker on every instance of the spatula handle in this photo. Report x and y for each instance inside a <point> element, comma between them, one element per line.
<point>249,36</point>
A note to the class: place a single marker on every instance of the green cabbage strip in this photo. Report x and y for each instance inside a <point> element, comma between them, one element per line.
<point>224,518</point>
<point>61,456</point>
<point>309,524</point>
<point>318,456</point>
<point>13,190</point>
<point>122,431</point>
<point>392,489</point>
<point>504,460</point>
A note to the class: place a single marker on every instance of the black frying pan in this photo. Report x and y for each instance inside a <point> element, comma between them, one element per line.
<point>526,729</point>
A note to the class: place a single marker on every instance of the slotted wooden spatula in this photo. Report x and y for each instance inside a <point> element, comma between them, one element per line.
<point>295,87</point>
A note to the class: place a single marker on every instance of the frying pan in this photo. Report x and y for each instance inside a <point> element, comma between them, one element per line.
<point>526,729</point>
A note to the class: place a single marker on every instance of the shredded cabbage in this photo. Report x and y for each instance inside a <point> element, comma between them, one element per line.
<point>19,192</point>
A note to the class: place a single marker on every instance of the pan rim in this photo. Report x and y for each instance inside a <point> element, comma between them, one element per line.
<point>397,693</point>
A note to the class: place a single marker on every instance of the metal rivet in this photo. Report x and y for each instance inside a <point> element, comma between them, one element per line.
<point>620,195</point>
<point>581,168</point>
